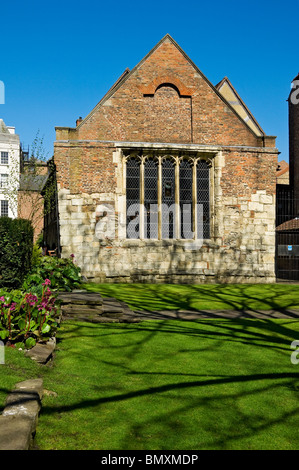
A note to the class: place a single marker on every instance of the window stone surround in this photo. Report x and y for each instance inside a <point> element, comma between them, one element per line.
<point>177,154</point>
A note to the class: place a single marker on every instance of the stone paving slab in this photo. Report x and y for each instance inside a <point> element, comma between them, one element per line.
<point>73,309</point>
<point>19,418</point>
<point>15,433</point>
<point>205,314</point>
<point>92,307</point>
<point>92,318</point>
<point>42,352</point>
<point>80,297</point>
<point>23,404</point>
<point>35,385</point>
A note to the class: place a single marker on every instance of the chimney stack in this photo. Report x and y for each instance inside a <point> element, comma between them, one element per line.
<point>78,121</point>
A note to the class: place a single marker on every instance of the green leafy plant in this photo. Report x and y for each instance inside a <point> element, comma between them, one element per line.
<point>63,273</point>
<point>36,256</point>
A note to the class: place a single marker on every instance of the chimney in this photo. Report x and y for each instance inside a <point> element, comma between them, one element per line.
<point>78,121</point>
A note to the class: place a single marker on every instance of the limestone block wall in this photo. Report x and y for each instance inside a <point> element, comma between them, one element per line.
<point>241,250</point>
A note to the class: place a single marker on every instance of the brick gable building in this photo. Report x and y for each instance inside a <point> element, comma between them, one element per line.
<point>161,140</point>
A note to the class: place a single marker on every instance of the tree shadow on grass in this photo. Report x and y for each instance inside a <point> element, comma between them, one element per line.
<point>265,333</point>
<point>237,423</point>
<point>120,346</point>
<point>172,419</point>
<point>219,417</point>
<point>173,387</point>
<point>239,297</point>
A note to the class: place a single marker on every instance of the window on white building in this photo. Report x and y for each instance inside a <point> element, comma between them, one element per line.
<point>4,158</point>
<point>4,209</point>
<point>3,180</point>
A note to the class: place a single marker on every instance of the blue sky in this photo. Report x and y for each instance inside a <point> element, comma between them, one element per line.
<point>59,58</point>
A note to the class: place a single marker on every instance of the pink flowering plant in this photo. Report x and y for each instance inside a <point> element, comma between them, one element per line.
<point>28,318</point>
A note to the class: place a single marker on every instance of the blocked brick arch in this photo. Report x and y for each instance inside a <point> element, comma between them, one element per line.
<point>163,80</point>
<point>186,143</point>
<point>167,106</point>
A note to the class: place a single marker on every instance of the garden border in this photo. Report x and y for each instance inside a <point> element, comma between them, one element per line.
<point>19,419</point>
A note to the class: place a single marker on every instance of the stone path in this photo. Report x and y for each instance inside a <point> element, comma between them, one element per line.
<point>92,307</point>
<point>204,314</point>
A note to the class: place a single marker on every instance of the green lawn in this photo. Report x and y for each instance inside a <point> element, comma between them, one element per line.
<point>202,297</point>
<point>157,385</point>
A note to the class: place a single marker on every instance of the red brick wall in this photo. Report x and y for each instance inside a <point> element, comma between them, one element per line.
<point>86,168</point>
<point>138,111</point>
<point>125,115</point>
<point>167,117</point>
<point>31,207</point>
<point>247,172</point>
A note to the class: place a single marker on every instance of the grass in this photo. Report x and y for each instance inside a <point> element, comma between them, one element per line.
<point>157,385</point>
<point>202,297</point>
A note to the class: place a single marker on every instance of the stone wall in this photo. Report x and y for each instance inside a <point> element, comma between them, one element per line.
<point>245,252</point>
<point>242,246</point>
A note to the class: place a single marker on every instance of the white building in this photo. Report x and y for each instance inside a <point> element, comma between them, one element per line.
<point>9,170</point>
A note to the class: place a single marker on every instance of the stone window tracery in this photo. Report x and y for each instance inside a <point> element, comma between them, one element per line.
<point>167,196</point>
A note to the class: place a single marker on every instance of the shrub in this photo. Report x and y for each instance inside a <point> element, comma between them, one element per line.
<point>63,274</point>
<point>16,243</point>
<point>36,256</point>
<point>28,318</point>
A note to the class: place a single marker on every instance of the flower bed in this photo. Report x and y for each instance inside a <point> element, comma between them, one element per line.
<point>26,318</point>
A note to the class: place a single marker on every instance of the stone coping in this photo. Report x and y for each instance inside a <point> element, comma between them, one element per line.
<point>18,421</point>
<point>42,352</point>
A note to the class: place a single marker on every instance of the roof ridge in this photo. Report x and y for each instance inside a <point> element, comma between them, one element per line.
<point>227,80</point>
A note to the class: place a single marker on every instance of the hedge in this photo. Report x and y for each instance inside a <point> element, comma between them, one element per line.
<point>16,244</point>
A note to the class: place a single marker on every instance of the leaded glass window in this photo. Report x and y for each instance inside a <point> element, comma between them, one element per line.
<point>186,210</point>
<point>151,199</point>
<point>133,197</point>
<point>203,197</point>
<point>168,198</point>
<point>163,191</point>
